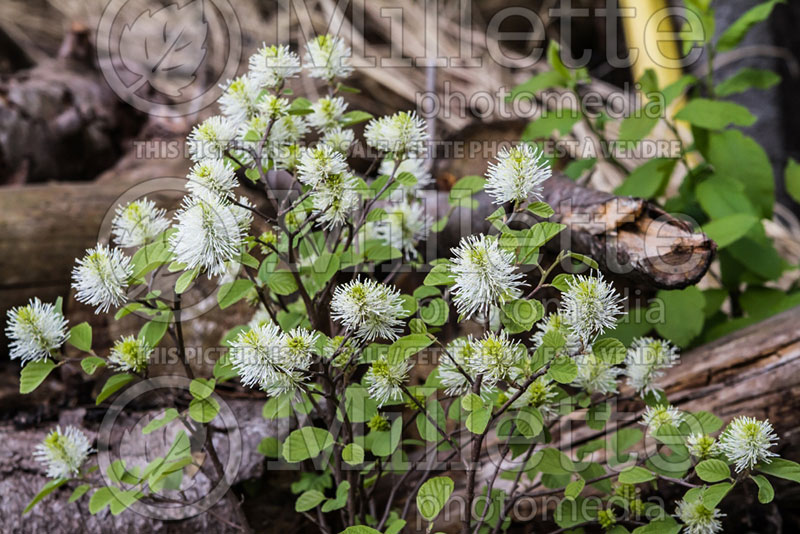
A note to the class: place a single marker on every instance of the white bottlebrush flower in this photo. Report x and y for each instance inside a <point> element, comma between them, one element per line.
<point>211,178</point>
<point>369,309</point>
<point>327,57</point>
<point>518,175</point>
<point>318,163</point>
<point>287,130</point>
<point>300,344</point>
<point>100,278</point>
<point>746,442</point>
<point>554,322</point>
<point>35,331</point>
<point>462,351</point>
<point>497,357</point>
<point>339,139</point>
<point>484,275</point>
<point>697,518</point>
<point>327,112</point>
<point>405,225</point>
<point>595,375</point>
<point>385,378</point>
<point>401,134</point>
<point>212,137</point>
<point>414,165</point>
<point>239,98</point>
<point>137,223</point>
<point>130,354</point>
<point>209,234</point>
<point>590,306</point>
<point>266,357</point>
<point>540,394</point>
<point>645,360</point>
<point>272,107</point>
<point>273,64</point>
<point>702,446</point>
<point>335,198</point>
<point>63,452</point>
<point>288,157</point>
<point>657,416</point>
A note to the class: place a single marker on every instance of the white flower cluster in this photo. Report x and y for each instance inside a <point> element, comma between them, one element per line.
<point>35,331</point>
<point>130,354</point>
<point>461,352</point>
<point>412,164</point>
<point>401,134</point>
<point>405,225</point>
<point>656,417</point>
<point>368,309</point>
<point>746,442</point>
<point>485,275</point>
<point>595,375</point>
<point>554,322</point>
<point>327,57</point>
<point>137,223</point>
<point>273,64</point>
<point>496,358</point>
<point>63,452</point>
<point>645,361</point>
<point>517,175</point>
<point>275,361</point>
<point>101,278</point>
<point>385,378</point>
<point>540,394</point>
<point>590,306</point>
<point>698,518</point>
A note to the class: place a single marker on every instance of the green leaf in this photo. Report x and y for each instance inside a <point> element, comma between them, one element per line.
<point>113,384</point>
<point>360,529</point>
<point>100,499</point>
<point>648,180</point>
<point>636,475</point>
<point>529,422</point>
<point>360,407</point>
<point>426,429</point>
<point>781,468</point>
<point>325,267</point>
<point>435,313</point>
<point>684,317</point>
<point>741,158</point>
<point>714,494</point>
<point>169,415</point>
<point>554,60</point>
<point>232,292</point>
<point>464,189</point>
<point>352,118</point>
<point>478,419</point>
<point>282,283</point>
<point>610,350</point>
<point>153,331</point>
<point>305,443</point>
<point>270,447</point>
<point>747,78</point>
<point>90,364</point>
<point>720,197</point>
<point>200,388</point>
<point>353,454</point>
<point>523,313</point>
<point>793,179</point>
<point>552,462</point>
<point>583,258</point>
<point>433,495</point>
<point>713,470</point>
<point>203,410</point>
<point>185,280</point>
<point>385,443</point>
<point>765,491</point>
<point>539,82</point>
<point>730,229</point>
<point>79,492</point>
<point>574,488</point>
<point>341,498</point>
<point>736,32</point>
<point>46,490</point>
<point>563,370</point>
<point>558,122</point>
<point>308,500</point>
<point>715,114</point>
<point>542,209</point>
<point>80,337</point>
<point>659,526</point>
<point>33,374</point>
<point>576,168</point>
<point>471,402</point>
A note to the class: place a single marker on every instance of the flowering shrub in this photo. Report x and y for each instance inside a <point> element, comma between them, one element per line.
<point>333,342</point>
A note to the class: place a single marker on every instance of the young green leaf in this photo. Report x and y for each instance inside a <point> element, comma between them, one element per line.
<point>433,495</point>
